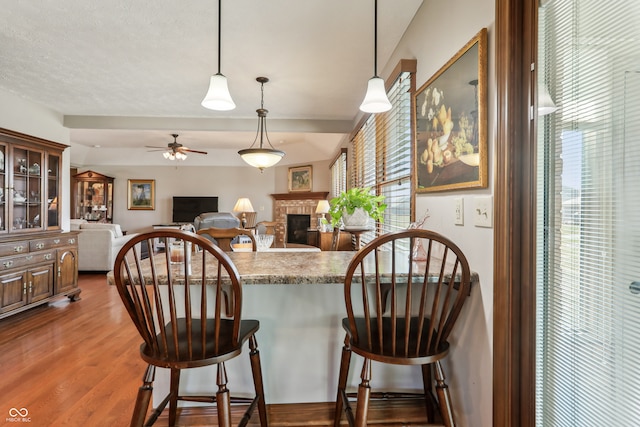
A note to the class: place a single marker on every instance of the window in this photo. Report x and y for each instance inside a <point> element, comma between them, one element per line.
<point>588,241</point>
<point>381,156</point>
<point>339,173</point>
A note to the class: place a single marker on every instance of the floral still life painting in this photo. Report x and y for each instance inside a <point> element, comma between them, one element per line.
<point>451,123</point>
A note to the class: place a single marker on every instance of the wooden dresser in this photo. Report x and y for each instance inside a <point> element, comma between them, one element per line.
<point>38,261</point>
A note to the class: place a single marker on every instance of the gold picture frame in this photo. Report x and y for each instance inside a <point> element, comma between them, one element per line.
<point>450,119</point>
<point>300,178</point>
<point>141,194</point>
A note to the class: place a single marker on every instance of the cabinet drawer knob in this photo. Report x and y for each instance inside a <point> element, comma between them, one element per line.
<point>72,241</point>
<point>47,256</point>
<point>18,249</point>
<point>29,257</point>
<point>39,245</point>
<point>8,264</point>
<point>56,241</point>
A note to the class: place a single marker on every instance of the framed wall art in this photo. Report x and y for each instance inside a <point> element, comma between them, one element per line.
<point>300,178</point>
<point>141,194</point>
<point>451,122</point>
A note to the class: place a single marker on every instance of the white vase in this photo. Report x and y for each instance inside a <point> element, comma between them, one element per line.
<point>359,219</point>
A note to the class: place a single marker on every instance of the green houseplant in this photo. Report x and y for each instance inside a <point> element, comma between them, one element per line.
<point>354,199</point>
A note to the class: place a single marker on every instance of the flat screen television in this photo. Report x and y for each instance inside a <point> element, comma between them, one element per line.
<point>187,208</point>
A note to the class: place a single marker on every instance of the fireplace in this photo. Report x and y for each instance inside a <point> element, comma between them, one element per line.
<point>297,225</point>
<point>296,203</point>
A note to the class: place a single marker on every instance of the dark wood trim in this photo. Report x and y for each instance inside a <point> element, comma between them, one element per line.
<point>514,232</point>
<point>342,151</point>
<point>301,195</point>
<point>22,138</point>
<point>404,65</point>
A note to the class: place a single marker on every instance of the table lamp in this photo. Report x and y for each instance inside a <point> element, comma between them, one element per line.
<point>243,205</point>
<point>322,209</point>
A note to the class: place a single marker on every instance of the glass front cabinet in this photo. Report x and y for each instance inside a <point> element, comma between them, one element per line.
<point>92,197</point>
<point>38,260</point>
<point>29,184</point>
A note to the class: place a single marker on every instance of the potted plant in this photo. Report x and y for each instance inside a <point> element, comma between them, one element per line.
<point>355,206</point>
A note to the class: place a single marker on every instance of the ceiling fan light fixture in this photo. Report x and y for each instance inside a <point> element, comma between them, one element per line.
<point>261,157</point>
<point>375,100</point>
<point>218,96</point>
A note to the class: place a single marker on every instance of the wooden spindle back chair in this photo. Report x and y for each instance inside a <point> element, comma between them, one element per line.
<point>177,310</point>
<point>401,311</point>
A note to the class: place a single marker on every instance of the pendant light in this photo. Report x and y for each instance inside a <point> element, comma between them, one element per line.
<point>218,96</point>
<point>261,157</point>
<point>375,100</point>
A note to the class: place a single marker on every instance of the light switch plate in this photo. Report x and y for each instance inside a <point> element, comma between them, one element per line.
<point>458,214</point>
<point>483,211</point>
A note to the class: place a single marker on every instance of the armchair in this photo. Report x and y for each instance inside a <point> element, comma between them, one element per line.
<point>98,245</point>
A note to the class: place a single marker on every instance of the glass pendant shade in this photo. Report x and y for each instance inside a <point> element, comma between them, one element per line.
<point>218,96</point>
<point>375,100</point>
<point>545,103</point>
<point>261,157</point>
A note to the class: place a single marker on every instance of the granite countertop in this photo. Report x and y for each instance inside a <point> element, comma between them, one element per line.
<point>287,268</point>
<point>291,267</point>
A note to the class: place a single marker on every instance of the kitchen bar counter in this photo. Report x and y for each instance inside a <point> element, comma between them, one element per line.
<point>299,300</point>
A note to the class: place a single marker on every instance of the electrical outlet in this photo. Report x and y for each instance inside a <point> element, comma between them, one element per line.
<point>483,211</point>
<point>458,218</point>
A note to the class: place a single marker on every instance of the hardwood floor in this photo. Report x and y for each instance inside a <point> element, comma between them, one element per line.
<point>77,364</point>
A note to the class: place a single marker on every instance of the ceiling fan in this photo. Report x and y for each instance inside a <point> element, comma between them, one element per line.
<point>175,150</point>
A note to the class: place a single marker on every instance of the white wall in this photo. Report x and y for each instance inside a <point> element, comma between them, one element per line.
<point>436,33</point>
<point>23,116</point>
<point>180,179</point>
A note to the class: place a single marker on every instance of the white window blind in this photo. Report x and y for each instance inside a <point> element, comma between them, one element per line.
<point>339,174</point>
<point>588,227</point>
<point>381,157</point>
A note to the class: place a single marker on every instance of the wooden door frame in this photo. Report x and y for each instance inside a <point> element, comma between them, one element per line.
<point>515,201</point>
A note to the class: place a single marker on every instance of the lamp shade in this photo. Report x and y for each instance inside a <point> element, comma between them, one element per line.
<point>375,100</point>
<point>545,103</point>
<point>218,96</point>
<point>243,205</point>
<point>261,157</point>
<point>323,207</point>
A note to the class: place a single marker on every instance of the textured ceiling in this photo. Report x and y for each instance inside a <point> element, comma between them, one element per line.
<point>129,73</point>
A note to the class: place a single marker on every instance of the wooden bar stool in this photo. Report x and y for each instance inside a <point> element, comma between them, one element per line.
<point>182,323</point>
<point>401,312</point>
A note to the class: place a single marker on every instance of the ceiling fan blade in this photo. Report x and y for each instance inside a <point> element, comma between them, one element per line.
<point>192,151</point>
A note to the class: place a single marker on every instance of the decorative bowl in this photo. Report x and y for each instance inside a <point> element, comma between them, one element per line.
<point>264,241</point>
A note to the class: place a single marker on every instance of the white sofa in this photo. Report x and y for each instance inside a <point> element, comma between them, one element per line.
<point>98,244</point>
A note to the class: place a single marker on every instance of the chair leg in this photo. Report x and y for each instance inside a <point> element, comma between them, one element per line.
<point>223,400</point>
<point>144,397</point>
<point>364,393</point>
<point>256,369</point>
<point>429,400</point>
<point>174,389</point>
<point>342,381</point>
<point>443,396</point>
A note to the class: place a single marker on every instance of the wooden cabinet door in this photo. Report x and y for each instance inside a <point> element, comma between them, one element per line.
<point>40,284</point>
<point>13,290</point>
<point>67,279</point>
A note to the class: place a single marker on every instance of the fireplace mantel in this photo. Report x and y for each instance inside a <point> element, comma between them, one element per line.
<point>301,195</point>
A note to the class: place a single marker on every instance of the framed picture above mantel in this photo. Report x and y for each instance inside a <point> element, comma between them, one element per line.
<point>301,178</point>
